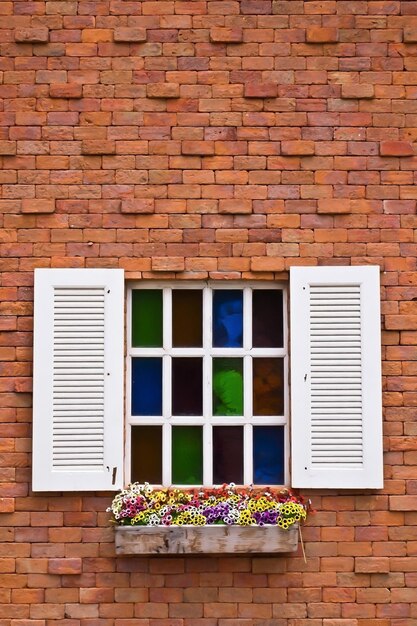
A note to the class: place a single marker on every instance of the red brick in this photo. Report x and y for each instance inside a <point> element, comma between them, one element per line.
<point>261,90</point>
<point>410,34</point>
<point>372,565</point>
<point>267,264</point>
<point>95,146</point>
<point>203,148</point>
<point>317,34</point>
<point>334,205</point>
<point>32,35</point>
<point>7,505</point>
<point>396,148</point>
<point>138,205</point>
<point>31,205</point>
<point>7,148</point>
<point>226,35</point>
<point>168,264</point>
<point>403,503</point>
<point>256,7</point>
<point>65,90</point>
<point>163,90</point>
<point>96,35</point>
<point>65,566</point>
<point>298,148</point>
<point>358,91</point>
<point>235,206</point>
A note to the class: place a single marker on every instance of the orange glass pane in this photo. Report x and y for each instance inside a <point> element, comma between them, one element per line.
<point>268,386</point>
<point>187,318</point>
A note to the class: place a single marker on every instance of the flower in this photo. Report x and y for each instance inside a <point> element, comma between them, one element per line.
<point>142,505</point>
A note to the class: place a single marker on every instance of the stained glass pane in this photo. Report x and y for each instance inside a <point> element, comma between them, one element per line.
<point>267,318</point>
<point>227,318</point>
<point>227,386</point>
<point>187,455</point>
<point>268,386</point>
<point>187,318</point>
<point>147,318</point>
<point>228,454</point>
<point>147,454</point>
<point>187,386</point>
<point>147,386</point>
<point>268,455</point>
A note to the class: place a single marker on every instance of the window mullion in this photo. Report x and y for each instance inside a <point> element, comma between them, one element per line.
<point>167,388</point>
<point>207,427</point>
<point>247,454</point>
<point>247,318</point>
<point>207,388</point>
<point>166,454</point>
<point>167,318</point>
<point>207,455</point>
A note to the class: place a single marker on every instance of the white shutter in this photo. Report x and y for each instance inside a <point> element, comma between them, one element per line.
<point>78,380</point>
<point>336,413</point>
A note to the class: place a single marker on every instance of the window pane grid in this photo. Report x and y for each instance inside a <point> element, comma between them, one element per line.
<point>231,386</point>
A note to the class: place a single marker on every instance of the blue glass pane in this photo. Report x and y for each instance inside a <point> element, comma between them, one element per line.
<point>227,318</point>
<point>268,455</point>
<point>147,386</point>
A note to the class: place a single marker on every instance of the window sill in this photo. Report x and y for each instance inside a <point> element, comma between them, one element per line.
<point>204,540</point>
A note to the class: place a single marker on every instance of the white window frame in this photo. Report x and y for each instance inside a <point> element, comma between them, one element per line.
<point>167,420</point>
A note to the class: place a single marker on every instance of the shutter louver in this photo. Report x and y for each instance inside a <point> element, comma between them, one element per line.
<point>335,377</point>
<point>78,380</point>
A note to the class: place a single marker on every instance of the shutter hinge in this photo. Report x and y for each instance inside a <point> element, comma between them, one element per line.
<point>114,474</point>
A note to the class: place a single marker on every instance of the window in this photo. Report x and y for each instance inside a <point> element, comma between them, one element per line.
<point>214,401</point>
<point>207,391</point>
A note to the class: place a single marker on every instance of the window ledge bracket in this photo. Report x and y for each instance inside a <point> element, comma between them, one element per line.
<point>148,540</point>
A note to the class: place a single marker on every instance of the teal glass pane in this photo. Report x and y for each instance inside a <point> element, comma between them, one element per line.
<point>227,386</point>
<point>187,455</point>
<point>187,318</point>
<point>147,386</point>
<point>268,386</point>
<point>146,463</point>
<point>227,318</point>
<point>147,318</point>
<point>268,455</point>
<point>267,318</point>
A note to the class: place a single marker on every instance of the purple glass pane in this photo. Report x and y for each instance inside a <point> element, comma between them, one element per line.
<point>187,386</point>
<point>227,454</point>
<point>267,318</point>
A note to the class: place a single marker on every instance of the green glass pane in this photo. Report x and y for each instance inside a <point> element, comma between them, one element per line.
<point>147,454</point>
<point>187,455</point>
<point>147,318</point>
<point>187,318</point>
<point>227,386</point>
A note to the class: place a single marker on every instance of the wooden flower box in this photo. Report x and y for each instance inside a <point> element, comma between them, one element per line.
<point>135,540</point>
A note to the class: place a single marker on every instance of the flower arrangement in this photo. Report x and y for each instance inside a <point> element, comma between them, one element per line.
<point>142,505</point>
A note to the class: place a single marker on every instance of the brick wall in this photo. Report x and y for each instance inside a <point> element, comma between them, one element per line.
<point>221,139</point>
